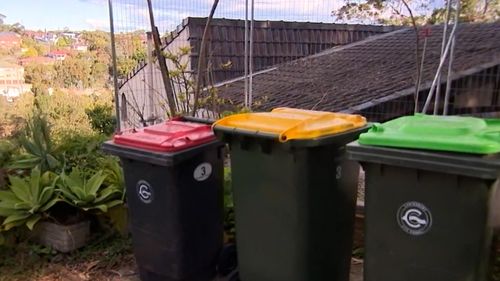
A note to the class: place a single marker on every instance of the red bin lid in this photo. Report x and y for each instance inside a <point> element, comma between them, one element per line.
<point>170,136</point>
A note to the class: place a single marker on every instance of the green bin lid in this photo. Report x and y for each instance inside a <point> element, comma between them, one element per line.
<point>444,133</point>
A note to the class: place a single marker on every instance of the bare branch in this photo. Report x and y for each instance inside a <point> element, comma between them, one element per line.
<point>135,107</point>
<point>161,61</point>
<point>417,48</point>
<point>320,100</point>
<point>201,57</point>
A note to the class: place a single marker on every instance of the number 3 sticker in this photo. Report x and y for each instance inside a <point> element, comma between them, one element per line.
<point>202,172</point>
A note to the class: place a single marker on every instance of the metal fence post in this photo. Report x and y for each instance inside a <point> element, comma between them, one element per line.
<point>115,73</point>
<point>250,65</point>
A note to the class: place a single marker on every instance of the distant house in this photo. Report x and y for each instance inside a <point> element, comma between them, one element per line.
<point>58,55</point>
<point>376,77</point>
<point>275,42</point>
<point>37,60</point>
<point>45,37</point>
<point>70,35</point>
<point>34,34</point>
<point>80,47</point>
<point>12,81</point>
<point>9,40</point>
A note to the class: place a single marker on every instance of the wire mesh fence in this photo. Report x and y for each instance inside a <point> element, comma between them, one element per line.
<point>371,69</point>
<point>133,15</point>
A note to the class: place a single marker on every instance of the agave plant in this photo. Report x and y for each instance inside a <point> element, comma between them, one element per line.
<point>7,148</point>
<point>89,194</point>
<point>114,173</point>
<point>27,200</point>
<point>38,146</point>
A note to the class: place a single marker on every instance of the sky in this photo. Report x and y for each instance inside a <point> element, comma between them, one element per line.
<point>130,14</point>
<point>133,14</point>
<point>56,14</point>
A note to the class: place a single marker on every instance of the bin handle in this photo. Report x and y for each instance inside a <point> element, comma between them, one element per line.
<point>180,141</point>
<point>285,135</point>
<point>185,139</point>
<point>491,134</point>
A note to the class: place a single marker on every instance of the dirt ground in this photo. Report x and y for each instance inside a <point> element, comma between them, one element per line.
<point>108,260</point>
<point>356,273</point>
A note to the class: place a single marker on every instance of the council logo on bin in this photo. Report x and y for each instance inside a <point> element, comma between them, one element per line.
<point>414,218</point>
<point>145,191</point>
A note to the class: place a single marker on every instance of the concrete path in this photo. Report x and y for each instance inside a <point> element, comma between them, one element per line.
<point>357,270</point>
<point>356,273</point>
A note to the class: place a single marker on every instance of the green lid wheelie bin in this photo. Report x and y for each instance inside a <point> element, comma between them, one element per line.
<point>294,193</point>
<point>174,176</point>
<point>429,184</point>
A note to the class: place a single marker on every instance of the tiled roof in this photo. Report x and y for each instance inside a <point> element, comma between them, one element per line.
<point>38,59</point>
<point>352,77</point>
<point>58,52</point>
<point>9,36</point>
<point>275,42</point>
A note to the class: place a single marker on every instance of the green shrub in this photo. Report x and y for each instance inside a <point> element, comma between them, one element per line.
<point>102,119</point>
<point>27,200</point>
<point>89,194</point>
<point>81,151</point>
<point>7,149</point>
<point>7,152</point>
<point>65,111</point>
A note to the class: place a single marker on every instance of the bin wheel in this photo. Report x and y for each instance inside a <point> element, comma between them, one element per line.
<point>228,260</point>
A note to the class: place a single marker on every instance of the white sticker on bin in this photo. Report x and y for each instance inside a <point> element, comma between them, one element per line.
<point>144,191</point>
<point>202,172</point>
<point>414,218</point>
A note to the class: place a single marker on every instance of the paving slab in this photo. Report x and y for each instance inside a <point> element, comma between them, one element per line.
<point>356,273</point>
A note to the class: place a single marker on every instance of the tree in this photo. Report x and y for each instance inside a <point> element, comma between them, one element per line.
<point>41,76</point>
<point>99,73</point>
<point>399,12</point>
<point>124,66</point>
<point>30,52</point>
<point>102,119</point>
<point>98,41</point>
<point>63,42</point>
<point>471,11</point>
<point>130,51</point>
<point>66,112</point>
<point>28,42</point>
<point>16,27</point>
<point>73,72</point>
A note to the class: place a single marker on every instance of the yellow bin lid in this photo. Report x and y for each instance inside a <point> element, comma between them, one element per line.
<point>291,123</point>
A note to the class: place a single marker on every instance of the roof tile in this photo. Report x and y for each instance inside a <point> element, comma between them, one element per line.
<point>348,76</point>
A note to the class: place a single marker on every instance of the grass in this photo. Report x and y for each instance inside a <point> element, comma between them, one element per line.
<point>100,260</point>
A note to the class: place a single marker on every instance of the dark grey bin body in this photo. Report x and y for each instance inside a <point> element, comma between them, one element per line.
<point>179,234</point>
<point>426,214</point>
<point>295,204</point>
